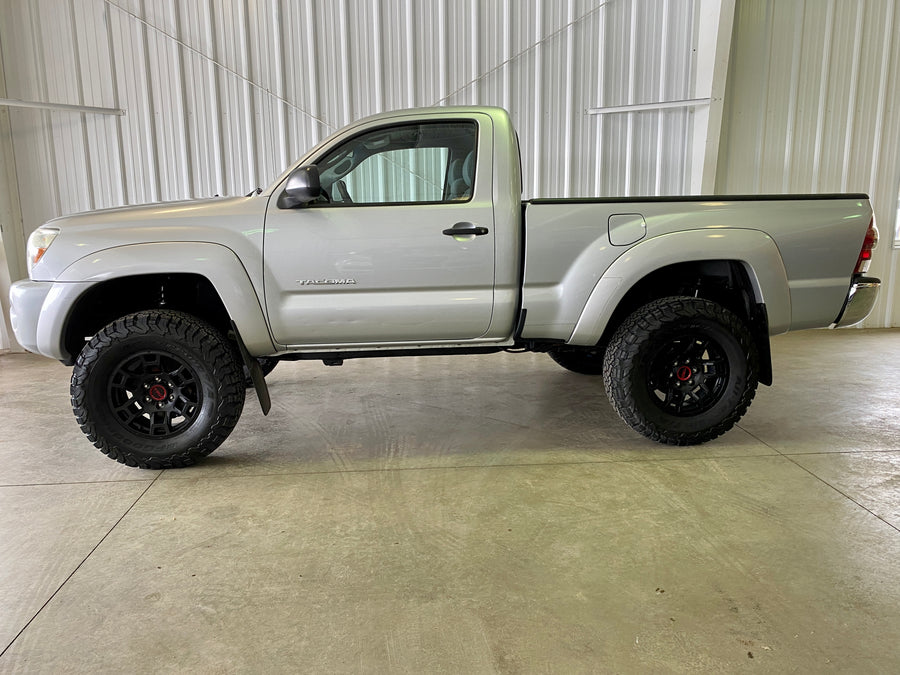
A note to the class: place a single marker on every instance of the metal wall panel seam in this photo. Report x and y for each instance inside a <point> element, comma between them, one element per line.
<point>629,117</point>
<point>153,140</point>
<point>51,43</point>
<point>473,52</point>
<point>881,105</point>
<point>315,82</point>
<point>280,49</point>
<point>47,127</point>
<point>251,132</point>
<point>379,57</point>
<point>410,50</point>
<point>13,245</point>
<point>792,100</point>
<point>537,154</point>
<point>216,91</point>
<point>79,86</point>
<point>851,98</point>
<point>507,49</point>
<point>823,85</point>
<point>127,168</point>
<point>346,91</point>
<point>442,65</point>
<point>188,186</point>
<point>601,99</point>
<point>661,94</point>
<point>763,122</point>
<point>569,111</point>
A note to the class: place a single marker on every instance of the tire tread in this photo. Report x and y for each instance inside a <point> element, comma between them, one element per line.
<point>215,350</point>
<point>625,346</point>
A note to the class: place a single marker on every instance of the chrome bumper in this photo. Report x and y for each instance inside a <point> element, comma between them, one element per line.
<point>860,301</point>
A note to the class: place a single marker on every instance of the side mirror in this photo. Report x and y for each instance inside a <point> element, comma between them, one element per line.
<point>302,187</point>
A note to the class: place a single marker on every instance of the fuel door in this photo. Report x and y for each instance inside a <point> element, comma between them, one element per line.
<point>626,228</point>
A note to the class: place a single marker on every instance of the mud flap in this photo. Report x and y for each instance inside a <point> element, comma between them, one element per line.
<point>256,374</point>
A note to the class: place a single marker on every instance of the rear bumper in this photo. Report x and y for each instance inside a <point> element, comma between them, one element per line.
<point>860,301</point>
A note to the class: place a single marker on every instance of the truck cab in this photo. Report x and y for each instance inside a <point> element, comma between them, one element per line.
<point>411,234</point>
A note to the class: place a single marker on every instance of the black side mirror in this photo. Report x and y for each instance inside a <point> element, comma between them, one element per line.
<point>302,187</point>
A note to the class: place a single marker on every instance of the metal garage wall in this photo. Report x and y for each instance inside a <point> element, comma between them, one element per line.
<point>813,105</point>
<point>221,95</point>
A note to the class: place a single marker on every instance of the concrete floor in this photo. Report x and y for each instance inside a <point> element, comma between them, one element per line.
<point>464,515</point>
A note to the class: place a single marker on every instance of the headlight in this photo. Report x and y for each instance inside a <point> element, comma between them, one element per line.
<point>38,243</point>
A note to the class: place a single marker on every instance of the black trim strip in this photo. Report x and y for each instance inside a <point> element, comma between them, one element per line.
<point>694,198</point>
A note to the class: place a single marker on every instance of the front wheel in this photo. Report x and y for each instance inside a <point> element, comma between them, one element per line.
<point>681,370</point>
<point>157,389</point>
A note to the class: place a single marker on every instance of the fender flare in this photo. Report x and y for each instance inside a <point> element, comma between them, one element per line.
<point>754,249</point>
<point>217,263</point>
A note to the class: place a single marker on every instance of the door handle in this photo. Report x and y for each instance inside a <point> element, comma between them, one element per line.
<point>464,231</point>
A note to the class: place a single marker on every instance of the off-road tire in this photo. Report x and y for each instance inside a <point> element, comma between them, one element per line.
<point>584,361</point>
<point>681,370</point>
<point>157,389</point>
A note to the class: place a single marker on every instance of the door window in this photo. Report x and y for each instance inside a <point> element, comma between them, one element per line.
<point>409,164</point>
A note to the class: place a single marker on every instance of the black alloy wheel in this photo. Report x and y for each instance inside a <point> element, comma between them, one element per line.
<point>155,394</point>
<point>688,374</point>
<point>681,370</point>
<point>158,389</point>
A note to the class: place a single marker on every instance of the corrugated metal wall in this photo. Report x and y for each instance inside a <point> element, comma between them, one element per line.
<point>813,105</point>
<point>221,95</point>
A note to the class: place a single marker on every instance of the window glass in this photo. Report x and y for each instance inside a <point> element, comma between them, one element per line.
<point>428,162</point>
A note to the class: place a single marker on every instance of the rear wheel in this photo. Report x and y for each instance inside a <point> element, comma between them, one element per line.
<point>157,389</point>
<point>681,370</point>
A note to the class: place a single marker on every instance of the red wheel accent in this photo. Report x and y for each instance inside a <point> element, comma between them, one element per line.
<point>158,392</point>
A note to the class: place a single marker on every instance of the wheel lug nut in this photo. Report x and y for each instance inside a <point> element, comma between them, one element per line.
<point>146,385</point>
<point>147,399</point>
<point>172,397</point>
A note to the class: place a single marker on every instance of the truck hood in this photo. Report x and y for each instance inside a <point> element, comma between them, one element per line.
<point>124,216</point>
<point>234,222</point>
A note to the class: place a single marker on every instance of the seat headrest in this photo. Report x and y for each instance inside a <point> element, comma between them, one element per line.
<point>468,169</point>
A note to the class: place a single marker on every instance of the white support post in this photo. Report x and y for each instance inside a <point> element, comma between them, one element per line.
<point>713,52</point>
<point>12,234</point>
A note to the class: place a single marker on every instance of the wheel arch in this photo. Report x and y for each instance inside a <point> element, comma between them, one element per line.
<point>741,270</point>
<point>152,276</point>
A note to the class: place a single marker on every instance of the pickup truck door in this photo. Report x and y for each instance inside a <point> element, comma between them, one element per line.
<point>371,261</point>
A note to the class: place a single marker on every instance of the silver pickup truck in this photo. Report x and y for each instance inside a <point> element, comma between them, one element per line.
<point>404,235</point>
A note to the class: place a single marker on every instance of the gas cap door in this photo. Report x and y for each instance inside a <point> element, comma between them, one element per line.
<point>626,228</point>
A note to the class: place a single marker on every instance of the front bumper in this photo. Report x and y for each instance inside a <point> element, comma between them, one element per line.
<point>38,311</point>
<point>26,298</point>
<point>860,301</point>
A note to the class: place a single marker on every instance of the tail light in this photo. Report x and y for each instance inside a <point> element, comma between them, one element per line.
<point>869,244</point>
